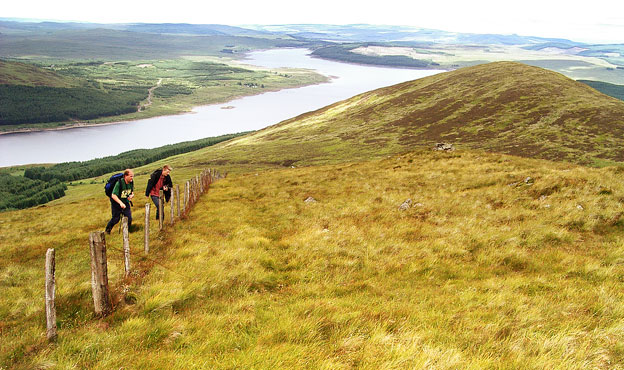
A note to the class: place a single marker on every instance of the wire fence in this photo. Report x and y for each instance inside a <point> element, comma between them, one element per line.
<point>180,205</point>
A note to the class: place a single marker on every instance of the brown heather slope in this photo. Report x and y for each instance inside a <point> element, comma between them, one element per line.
<point>504,107</point>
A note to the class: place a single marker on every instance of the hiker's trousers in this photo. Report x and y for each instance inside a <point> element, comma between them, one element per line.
<point>117,211</point>
<point>156,202</point>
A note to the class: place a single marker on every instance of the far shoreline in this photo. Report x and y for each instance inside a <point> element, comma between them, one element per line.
<point>81,125</point>
<point>28,130</point>
<point>190,111</point>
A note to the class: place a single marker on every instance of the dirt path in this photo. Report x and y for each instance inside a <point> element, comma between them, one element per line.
<point>150,94</point>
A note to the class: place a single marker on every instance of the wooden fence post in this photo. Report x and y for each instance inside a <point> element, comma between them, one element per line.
<point>126,244</point>
<point>187,196</point>
<point>50,288</point>
<point>184,200</point>
<point>161,211</point>
<point>193,191</point>
<point>171,208</point>
<point>99,274</point>
<point>190,182</point>
<point>147,222</point>
<point>178,199</point>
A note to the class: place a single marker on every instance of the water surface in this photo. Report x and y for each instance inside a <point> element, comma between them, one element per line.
<point>249,113</point>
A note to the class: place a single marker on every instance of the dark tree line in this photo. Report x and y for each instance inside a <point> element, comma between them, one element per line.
<point>40,185</point>
<point>343,53</point>
<point>615,91</point>
<point>71,171</point>
<point>17,192</point>
<point>39,104</point>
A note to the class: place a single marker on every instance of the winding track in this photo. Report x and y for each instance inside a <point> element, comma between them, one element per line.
<point>150,94</point>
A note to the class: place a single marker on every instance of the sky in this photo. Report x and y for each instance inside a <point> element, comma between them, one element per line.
<point>597,21</point>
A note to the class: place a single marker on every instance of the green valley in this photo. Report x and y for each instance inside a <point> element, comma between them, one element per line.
<point>100,91</point>
<point>55,75</point>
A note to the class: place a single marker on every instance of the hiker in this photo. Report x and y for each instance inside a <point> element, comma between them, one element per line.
<point>121,199</point>
<point>159,180</point>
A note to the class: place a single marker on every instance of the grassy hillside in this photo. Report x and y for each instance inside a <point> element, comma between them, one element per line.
<point>503,107</point>
<point>497,261</point>
<point>485,270</point>
<point>16,73</point>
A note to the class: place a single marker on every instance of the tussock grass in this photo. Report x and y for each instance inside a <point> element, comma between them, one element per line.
<point>500,262</point>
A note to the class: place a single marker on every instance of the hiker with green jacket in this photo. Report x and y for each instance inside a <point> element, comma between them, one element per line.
<point>121,200</point>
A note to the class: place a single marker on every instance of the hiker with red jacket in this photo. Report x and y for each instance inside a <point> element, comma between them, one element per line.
<point>159,180</point>
<point>121,199</point>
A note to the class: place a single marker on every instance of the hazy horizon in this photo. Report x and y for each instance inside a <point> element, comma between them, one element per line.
<point>603,22</point>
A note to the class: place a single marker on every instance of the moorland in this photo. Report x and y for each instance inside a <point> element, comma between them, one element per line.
<point>340,239</point>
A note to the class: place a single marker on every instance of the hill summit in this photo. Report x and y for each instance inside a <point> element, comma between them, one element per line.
<point>504,107</point>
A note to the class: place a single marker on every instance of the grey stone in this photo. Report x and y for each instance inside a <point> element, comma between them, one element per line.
<point>444,147</point>
<point>406,205</point>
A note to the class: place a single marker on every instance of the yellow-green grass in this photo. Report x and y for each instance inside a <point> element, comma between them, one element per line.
<point>486,269</point>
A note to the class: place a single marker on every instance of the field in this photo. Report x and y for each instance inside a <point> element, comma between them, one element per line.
<point>497,262</point>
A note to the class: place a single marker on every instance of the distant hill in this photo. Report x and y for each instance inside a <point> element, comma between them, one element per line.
<point>195,29</point>
<point>32,27</point>
<point>504,107</point>
<point>388,33</point>
<point>82,41</point>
